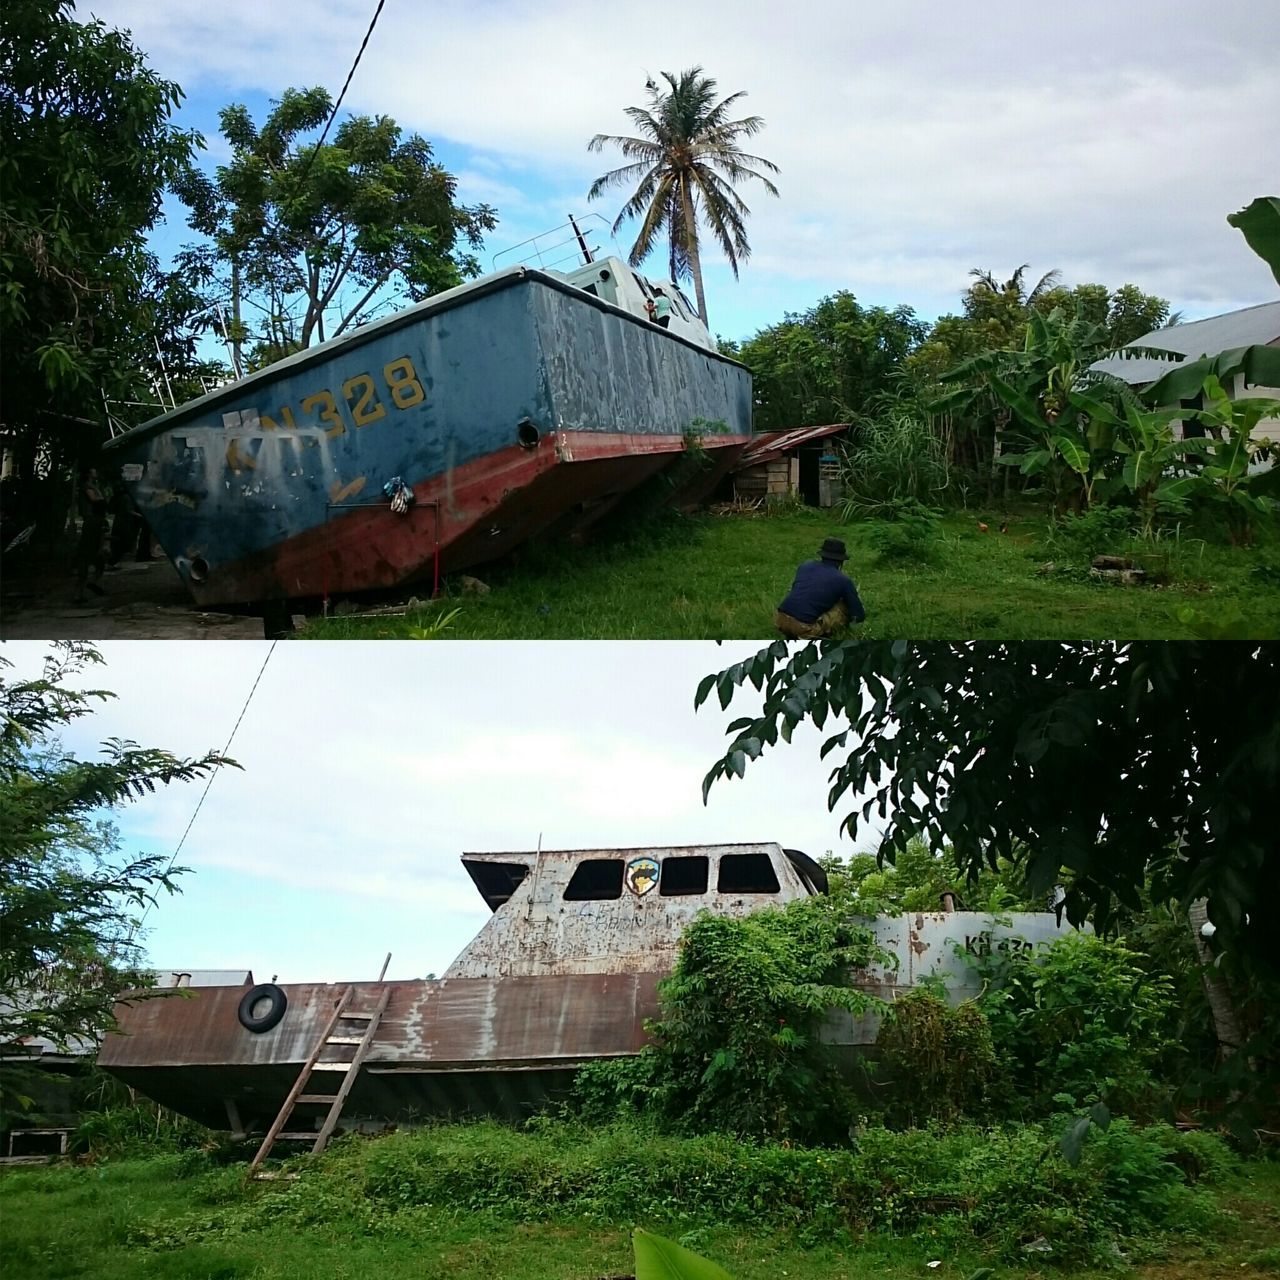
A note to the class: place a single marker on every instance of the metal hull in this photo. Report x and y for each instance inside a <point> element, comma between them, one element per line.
<point>506,406</point>
<point>448,1047</point>
<point>500,1045</point>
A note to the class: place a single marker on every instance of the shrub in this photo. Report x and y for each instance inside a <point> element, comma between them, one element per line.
<point>939,1059</point>
<point>1099,531</point>
<point>736,1047</point>
<point>1002,1187</point>
<point>1078,1021</point>
<point>907,532</point>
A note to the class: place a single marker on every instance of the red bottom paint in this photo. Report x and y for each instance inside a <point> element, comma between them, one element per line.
<point>473,513</point>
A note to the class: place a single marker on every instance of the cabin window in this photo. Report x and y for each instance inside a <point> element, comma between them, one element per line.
<point>591,289</point>
<point>747,873</point>
<point>595,880</point>
<point>682,877</point>
<point>644,286</point>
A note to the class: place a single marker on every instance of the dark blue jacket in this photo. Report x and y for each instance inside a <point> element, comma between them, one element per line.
<point>818,585</point>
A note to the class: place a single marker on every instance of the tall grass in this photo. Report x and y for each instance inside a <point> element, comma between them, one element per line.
<point>896,456</point>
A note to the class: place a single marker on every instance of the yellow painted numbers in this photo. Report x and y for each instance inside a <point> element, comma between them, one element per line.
<point>402,382</point>
<point>362,397</point>
<point>367,408</point>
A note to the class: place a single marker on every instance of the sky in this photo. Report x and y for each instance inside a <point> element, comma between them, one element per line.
<point>916,140</point>
<point>367,770</point>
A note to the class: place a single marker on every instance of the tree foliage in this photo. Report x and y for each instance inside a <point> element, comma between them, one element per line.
<point>685,164</point>
<point>86,150</point>
<point>736,1047</point>
<point>834,363</point>
<point>69,898</point>
<point>313,238</point>
<point>1079,1021</point>
<point>1101,766</point>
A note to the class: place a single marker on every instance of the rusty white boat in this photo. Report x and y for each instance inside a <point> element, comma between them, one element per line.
<point>565,972</point>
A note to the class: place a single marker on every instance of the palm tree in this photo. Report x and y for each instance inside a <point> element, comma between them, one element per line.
<point>1013,287</point>
<point>686,162</point>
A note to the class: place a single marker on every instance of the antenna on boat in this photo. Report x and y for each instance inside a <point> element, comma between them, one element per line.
<point>539,841</point>
<point>582,244</point>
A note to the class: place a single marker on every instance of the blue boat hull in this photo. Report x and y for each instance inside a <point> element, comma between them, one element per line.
<point>505,406</point>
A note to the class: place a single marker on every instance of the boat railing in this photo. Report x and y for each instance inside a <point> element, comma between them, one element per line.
<point>568,248</point>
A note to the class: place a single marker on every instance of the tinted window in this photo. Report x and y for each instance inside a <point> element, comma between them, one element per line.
<point>595,879</point>
<point>682,876</point>
<point>747,873</point>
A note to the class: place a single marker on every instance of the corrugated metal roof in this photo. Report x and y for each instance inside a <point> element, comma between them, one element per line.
<point>1251,326</point>
<point>774,444</point>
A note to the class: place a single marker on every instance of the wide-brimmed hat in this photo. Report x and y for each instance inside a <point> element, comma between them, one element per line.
<point>833,549</point>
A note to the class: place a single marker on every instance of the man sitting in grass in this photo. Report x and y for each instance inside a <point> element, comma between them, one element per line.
<point>822,599</point>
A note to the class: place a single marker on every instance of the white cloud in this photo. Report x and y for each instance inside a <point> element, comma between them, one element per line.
<point>368,770</point>
<point>916,140</point>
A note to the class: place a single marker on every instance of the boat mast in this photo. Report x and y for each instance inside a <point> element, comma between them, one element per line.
<point>582,244</point>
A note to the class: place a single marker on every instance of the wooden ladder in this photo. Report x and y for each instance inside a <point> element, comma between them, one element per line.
<point>297,1097</point>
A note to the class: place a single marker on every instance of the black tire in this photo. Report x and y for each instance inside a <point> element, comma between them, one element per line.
<point>265,1021</point>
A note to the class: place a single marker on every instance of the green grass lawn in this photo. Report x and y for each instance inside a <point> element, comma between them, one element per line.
<point>144,1220</point>
<point>721,576</point>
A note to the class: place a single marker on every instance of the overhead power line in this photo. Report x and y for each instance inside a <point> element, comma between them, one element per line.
<point>333,115</point>
<point>212,774</point>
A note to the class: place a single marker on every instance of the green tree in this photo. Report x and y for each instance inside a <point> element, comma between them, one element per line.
<point>1103,767</point>
<point>69,898</point>
<point>314,238</point>
<point>834,363</point>
<point>86,150</point>
<point>686,163</point>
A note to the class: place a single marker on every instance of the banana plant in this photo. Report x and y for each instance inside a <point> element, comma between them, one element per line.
<point>1229,476</point>
<point>1067,411</point>
<point>1151,470</point>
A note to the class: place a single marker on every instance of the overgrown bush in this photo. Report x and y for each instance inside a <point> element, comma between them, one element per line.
<point>1099,531</point>
<point>140,1129</point>
<point>1001,1187</point>
<point>938,1060</point>
<point>1077,1021</point>
<point>898,455</point>
<point>736,1047</point>
<point>908,532</point>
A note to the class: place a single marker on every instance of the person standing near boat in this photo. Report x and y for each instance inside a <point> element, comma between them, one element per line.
<point>91,554</point>
<point>822,598</point>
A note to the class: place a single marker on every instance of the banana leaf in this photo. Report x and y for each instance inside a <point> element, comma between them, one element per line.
<point>1260,223</point>
<point>1074,454</point>
<point>661,1259</point>
<point>1022,404</point>
<point>1260,366</point>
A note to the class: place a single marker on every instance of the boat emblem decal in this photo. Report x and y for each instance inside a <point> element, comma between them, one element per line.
<point>642,875</point>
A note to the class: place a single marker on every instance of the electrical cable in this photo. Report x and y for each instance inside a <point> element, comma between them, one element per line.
<point>213,774</point>
<point>333,115</point>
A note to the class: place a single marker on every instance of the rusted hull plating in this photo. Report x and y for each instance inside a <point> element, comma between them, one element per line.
<point>505,406</point>
<point>496,1045</point>
<point>449,1046</point>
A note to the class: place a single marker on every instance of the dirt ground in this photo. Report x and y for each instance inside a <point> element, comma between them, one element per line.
<point>140,601</point>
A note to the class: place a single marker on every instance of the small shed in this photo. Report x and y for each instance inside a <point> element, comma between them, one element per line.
<point>797,463</point>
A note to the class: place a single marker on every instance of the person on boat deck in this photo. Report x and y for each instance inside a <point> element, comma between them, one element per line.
<point>822,599</point>
<point>659,307</point>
